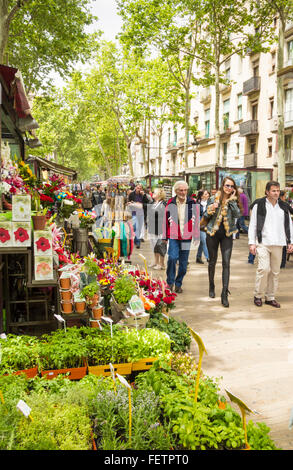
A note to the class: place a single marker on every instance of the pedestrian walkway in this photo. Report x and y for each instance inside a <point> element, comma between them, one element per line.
<point>250,349</point>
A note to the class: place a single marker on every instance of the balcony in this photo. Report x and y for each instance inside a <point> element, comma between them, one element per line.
<point>287,70</point>
<point>250,160</point>
<point>251,86</point>
<point>205,95</point>
<point>248,128</point>
<point>225,88</point>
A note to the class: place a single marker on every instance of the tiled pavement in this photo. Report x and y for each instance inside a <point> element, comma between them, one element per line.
<point>250,349</point>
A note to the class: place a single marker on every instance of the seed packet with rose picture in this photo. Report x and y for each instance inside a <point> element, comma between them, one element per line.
<point>21,234</point>
<point>42,242</point>
<point>43,268</point>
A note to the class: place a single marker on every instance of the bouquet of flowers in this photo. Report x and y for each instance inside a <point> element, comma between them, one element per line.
<point>87,218</point>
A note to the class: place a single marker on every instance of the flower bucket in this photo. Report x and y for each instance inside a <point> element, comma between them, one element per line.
<point>122,369</point>
<point>143,364</point>
<point>65,283</point>
<point>97,312</point>
<point>74,373</point>
<point>80,306</point>
<point>30,373</point>
<point>94,324</point>
<point>66,294</point>
<point>67,307</point>
<point>39,222</point>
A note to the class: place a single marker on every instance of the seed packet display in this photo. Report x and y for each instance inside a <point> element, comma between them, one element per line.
<point>42,243</point>
<point>5,234</point>
<point>43,268</point>
<point>21,208</point>
<point>21,234</point>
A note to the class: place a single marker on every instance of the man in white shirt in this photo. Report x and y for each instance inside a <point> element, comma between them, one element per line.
<point>270,229</point>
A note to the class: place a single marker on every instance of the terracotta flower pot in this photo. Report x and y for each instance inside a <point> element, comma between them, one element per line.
<point>67,307</point>
<point>65,283</point>
<point>39,222</point>
<point>97,312</point>
<point>80,306</point>
<point>66,295</point>
<point>92,301</point>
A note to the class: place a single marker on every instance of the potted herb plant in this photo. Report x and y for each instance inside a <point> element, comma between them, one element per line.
<point>124,288</point>
<point>39,219</point>
<point>91,293</point>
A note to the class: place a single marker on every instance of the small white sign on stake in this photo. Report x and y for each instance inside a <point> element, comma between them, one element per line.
<point>123,381</point>
<point>61,320</point>
<point>24,408</point>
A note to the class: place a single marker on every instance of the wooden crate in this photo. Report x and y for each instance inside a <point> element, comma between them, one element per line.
<point>122,369</point>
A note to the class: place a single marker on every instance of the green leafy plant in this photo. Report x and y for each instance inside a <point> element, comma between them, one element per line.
<point>178,331</point>
<point>124,288</point>
<point>89,291</point>
<point>18,353</point>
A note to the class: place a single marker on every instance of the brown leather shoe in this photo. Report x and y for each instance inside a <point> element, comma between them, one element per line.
<point>273,303</point>
<point>257,302</point>
<point>178,290</point>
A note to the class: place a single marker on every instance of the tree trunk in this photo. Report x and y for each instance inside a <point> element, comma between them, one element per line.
<point>217,114</point>
<point>106,160</point>
<point>280,108</point>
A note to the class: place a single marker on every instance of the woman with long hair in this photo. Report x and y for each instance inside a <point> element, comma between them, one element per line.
<point>221,213</point>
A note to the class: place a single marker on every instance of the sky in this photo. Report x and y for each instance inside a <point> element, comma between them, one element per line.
<point>108,20</point>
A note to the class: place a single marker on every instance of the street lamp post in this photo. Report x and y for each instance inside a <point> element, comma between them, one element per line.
<point>195,149</point>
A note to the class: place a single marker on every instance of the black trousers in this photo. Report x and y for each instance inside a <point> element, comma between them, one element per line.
<point>226,245</point>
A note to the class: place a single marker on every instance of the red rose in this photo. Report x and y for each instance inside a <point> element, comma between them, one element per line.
<point>4,235</point>
<point>43,244</point>
<point>21,235</point>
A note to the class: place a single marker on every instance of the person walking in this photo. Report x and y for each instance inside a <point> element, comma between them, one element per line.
<point>245,213</point>
<point>269,230</point>
<point>155,223</point>
<point>136,200</point>
<point>182,218</point>
<point>87,198</point>
<point>202,199</point>
<point>221,212</point>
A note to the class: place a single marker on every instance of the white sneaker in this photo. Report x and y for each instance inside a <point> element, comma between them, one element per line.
<point>157,267</point>
<point>152,265</point>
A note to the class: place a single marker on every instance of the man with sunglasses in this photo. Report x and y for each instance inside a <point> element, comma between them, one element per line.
<point>269,230</point>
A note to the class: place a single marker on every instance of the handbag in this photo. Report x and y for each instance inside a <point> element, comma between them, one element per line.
<point>161,247</point>
<point>203,223</point>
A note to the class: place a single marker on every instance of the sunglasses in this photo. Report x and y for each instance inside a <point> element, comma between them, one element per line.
<point>229,186</point>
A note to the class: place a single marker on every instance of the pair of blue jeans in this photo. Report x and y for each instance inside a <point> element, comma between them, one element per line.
<point>202,246</point>
<point>137,223</point>
<point>178,250</point>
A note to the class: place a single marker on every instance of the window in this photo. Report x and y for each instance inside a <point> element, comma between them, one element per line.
<point>239,106</point>
<point>175,136</point>
<point>288,151</point>
<point>288,105</point>
<point>290,51</point>
<point>254,111</point>
<point>271,108</point>
<point>207,123</point>
<point>273,62</point>
<point>226,109</point>
<point>237,149</point>
<point>255,69</point>
<point>225,151</point>
<point>270,147</point>
<point>169,136</point>
<point>252,147</point>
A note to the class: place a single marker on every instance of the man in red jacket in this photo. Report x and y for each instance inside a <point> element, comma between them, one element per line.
<point>181,227</point>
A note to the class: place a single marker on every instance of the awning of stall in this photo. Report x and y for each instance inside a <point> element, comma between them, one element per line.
<point>52,166</point>
<point>201,169</point>
<point>16,105</point>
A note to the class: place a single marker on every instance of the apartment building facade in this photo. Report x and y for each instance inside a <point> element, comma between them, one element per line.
<point>248,127</point>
